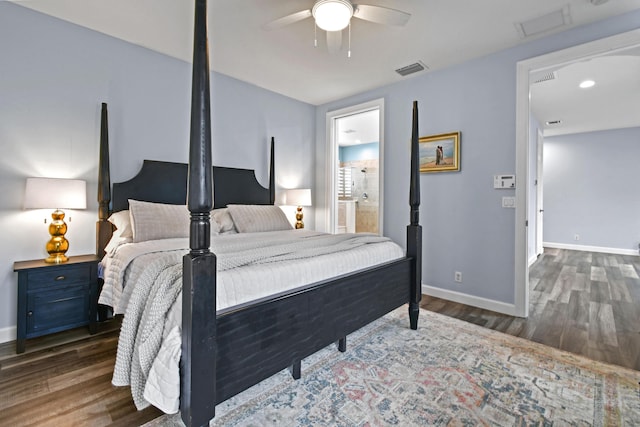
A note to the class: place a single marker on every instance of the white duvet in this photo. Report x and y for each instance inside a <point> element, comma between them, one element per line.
<point>144,281</point>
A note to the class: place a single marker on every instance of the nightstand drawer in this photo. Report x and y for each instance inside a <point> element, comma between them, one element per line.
<point>59,309</point>
<point>57,276</point>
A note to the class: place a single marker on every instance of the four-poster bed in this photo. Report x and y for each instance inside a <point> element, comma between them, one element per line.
<point>225,352</point>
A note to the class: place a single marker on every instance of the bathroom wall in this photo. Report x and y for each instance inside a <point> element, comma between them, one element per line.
<point>364,163</point>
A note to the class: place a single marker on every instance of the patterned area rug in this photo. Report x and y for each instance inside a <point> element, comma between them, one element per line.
<point>449,372</point>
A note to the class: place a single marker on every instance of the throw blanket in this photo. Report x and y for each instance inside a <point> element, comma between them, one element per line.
<point>116,266</point>
<point>142,327</point>
<point>159,285</point>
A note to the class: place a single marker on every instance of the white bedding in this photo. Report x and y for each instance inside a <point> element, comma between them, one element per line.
<point>250,266</point>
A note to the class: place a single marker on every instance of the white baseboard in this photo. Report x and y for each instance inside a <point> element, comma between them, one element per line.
<point>616,251</point>
<point>484,303</point>
<point>8,334</point>
<point>533,259</point>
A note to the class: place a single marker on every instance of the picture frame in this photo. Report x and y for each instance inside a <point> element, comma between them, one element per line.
<point>440,153</point>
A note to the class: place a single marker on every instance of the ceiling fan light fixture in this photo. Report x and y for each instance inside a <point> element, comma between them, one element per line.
<point>332,15</point>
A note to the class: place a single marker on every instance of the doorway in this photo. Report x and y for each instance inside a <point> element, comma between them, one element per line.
<point>355,177</point>
<point>525,196</point>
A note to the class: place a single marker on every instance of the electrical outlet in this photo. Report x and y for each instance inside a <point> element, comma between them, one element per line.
<point>576,237</point>
<point>457,276</point>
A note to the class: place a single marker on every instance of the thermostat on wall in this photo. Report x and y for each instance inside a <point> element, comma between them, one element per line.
<point>504,181</point>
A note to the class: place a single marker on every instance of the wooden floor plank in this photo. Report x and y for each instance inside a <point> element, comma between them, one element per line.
<point>602,327</point>
<point>578,310</point>
<point>599,291</point>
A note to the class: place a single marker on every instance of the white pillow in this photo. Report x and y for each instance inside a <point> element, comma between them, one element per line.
<point>122,221</point>
<point>223,219</point>
<point>115,242</point>
<point>153,221</point>
<point>257,218</point>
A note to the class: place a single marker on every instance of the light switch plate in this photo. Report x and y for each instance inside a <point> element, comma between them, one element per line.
<point>509,202</point>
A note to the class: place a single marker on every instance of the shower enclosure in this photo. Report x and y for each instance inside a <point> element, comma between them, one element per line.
<point>358,190</point>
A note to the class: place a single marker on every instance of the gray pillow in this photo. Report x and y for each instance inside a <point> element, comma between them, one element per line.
<point>257,218</point>
<point>154,221</point>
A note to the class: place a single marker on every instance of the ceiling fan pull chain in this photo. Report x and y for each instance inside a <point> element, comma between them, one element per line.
<point>349,50</point>
<point>315,35</point>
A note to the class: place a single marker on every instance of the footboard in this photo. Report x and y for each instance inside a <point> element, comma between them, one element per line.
<point>258,339</point>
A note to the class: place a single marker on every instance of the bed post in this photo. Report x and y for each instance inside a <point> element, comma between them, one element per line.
<point>198,362</point>
<point>414,229</point>
<point>272,174</point>
<point>103,227</point>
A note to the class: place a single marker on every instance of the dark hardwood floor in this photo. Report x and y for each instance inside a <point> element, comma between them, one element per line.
<point>584,302</point>
<point>587,303</point>
<point>65,380</point>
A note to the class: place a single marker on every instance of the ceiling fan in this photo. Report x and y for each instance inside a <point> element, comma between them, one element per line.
<point>333,16</point>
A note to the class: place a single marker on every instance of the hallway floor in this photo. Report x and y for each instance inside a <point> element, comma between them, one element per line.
<point>587,303</point>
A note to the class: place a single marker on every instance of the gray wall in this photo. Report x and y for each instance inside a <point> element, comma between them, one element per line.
<point>53,77</point>
<point>465,227</point>
<point>592,188</point>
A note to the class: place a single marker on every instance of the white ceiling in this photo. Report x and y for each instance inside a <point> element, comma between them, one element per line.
<point>360,128</point>
<point>439,33</point>
<point>612,103</point>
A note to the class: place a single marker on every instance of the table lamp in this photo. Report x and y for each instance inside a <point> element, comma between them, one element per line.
<point>298,197</point>
<point>55,193</point>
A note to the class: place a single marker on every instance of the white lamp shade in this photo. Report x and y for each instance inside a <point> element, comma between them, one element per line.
<point>298,197</point>
<point>332,15</point>
<point>55,193</point>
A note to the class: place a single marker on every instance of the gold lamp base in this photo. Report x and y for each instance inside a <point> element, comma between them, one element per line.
<point>56,259</point>
<point>299,223</point>
<point>58,245</point>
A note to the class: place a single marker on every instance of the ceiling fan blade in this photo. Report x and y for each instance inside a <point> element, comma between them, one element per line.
<point>334,41</point>
<point>381,15</point>
<point>287,20</point>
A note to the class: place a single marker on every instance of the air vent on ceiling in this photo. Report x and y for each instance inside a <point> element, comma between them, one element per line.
<point>544,23</point>
<point>546,77</point>
<point>412,68</point>
<point>553,122</point>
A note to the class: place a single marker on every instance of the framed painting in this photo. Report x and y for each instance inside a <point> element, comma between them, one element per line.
<point>440,153</point>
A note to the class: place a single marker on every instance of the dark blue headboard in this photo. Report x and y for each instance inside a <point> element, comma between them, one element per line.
<point>166,182</point>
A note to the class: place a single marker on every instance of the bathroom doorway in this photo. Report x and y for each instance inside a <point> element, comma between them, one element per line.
<point>357,173</point>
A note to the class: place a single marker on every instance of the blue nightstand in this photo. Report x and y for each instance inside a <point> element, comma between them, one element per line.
<point>56,297</point>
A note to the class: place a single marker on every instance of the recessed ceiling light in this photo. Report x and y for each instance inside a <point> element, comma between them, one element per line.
<point>587,84</point>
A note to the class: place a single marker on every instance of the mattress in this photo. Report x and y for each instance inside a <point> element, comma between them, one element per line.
<point>254,280</point>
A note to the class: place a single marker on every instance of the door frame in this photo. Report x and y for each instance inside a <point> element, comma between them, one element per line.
<point>525,68</point>
<point>331,218</point>
<point>539,192</point>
